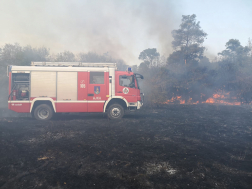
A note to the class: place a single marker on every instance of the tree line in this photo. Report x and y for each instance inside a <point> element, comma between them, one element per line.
<point>189,74</point>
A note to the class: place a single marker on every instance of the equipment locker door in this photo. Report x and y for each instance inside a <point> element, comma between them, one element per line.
<point>97,90</point>
<point>67,92</point>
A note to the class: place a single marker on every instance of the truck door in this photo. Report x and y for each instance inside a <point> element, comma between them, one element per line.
<point>97,90</point>
<point>126,86</point>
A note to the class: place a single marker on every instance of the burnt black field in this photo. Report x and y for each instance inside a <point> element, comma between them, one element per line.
<point>176,146</point>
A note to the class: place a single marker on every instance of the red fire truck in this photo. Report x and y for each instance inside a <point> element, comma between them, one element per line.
<point>45,88</point>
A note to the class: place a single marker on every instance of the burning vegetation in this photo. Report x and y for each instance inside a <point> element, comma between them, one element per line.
<point>220,97</point>
<point>188,77</point>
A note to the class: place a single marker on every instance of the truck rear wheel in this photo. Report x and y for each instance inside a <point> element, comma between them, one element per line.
<point>43,112</point>
<point>115,111</point>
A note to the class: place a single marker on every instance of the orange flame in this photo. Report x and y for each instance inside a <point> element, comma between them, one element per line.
<point>218,98</point>
<point>222,98</point>
<point>177,99</point>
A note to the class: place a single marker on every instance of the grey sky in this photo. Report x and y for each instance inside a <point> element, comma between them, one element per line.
<point>122,28</point>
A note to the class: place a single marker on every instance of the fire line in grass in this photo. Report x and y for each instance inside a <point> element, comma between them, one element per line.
<point>217,98</point>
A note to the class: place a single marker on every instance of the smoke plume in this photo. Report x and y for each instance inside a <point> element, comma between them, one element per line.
<point>120,28</point>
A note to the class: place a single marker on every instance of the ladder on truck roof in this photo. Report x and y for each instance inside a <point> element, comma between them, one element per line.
<point>79,64</point>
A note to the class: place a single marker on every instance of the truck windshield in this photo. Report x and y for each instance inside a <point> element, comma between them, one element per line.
<point>138,76</point>
<point>137,83</point>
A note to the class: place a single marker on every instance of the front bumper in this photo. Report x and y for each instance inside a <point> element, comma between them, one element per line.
<point>139,104</point>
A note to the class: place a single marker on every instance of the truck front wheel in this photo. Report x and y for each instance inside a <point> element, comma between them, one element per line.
<point>115,111</point>
<point>43,112</point>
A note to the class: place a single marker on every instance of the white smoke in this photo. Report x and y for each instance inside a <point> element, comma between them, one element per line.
<point>121,28</point>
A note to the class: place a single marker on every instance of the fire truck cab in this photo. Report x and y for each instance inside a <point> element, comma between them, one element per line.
<point>45,88</point>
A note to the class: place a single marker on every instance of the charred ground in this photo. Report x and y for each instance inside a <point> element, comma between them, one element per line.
<point>176,146</point>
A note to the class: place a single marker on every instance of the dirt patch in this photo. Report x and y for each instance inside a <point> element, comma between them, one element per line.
<point>176,146</point>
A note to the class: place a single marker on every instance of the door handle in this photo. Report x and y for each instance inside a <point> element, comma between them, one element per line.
<point>90,94</point>
<point>119,92</point>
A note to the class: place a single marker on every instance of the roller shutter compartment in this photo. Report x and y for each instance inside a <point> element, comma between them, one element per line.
<point>67,86</point>
<point>43,84</point>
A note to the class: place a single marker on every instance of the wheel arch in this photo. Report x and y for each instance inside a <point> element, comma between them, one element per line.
<point>38,101</point>
<point>119,100</point>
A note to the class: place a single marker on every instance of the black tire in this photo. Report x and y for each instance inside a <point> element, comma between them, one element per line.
<point>115,111</point>
<point>43,112</point>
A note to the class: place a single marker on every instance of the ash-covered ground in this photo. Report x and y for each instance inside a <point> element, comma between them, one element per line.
<point>176,146</point>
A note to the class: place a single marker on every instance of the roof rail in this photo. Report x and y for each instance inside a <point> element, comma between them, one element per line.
<point>72,64</point>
